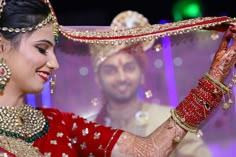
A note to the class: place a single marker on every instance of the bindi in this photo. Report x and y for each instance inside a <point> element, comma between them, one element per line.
<point>120,61</point>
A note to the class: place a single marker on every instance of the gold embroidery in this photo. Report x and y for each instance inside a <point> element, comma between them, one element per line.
<point>143,33</point>
<point>3,155</point>
<point>105,151</point>
<point>19,147</point>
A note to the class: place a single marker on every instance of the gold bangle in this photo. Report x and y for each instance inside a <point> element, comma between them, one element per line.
<point>217,83</point>
<point>181,123</point>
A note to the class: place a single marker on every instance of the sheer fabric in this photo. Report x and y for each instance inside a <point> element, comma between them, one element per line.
<point>174,64</point>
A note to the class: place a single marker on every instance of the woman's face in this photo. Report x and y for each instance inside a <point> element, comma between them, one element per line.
<point>32,61</point>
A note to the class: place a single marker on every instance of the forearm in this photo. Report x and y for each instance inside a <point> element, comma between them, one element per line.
<point>187,116</point>
<point>158,144</point>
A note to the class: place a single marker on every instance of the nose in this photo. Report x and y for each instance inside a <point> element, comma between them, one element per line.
<point>121,75</point>
<point>52,63</point>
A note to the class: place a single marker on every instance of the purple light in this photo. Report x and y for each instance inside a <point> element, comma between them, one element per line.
<point>169,70</point>
<point>31,100</point>
<point>46,97</point>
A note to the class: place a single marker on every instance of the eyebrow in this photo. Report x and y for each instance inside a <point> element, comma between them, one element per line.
<point>112,65</point>
<point>46,41</point>
<point>108,66</point>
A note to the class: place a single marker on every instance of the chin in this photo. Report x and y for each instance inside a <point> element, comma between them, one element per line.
<point>122,99</point>
<point>36,90</point>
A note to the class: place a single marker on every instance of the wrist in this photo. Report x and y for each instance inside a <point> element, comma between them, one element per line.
<point>216,75</point>
<point>199,104</point>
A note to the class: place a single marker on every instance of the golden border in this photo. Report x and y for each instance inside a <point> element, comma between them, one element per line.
<point>145,33</point>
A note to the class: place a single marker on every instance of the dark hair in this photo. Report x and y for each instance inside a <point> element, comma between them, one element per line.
<point>22,14</point>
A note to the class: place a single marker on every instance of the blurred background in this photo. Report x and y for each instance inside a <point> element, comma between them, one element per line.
<point>185,58</point>
<point>100,13</point>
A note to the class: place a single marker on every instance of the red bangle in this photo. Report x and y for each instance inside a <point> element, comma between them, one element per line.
<point>200,102</point>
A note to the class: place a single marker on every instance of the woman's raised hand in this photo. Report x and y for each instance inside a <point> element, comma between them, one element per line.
<point>225,57</point>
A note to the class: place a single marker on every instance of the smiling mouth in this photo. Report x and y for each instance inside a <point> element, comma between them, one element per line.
<point>122,88</point>
<point>43,75</point>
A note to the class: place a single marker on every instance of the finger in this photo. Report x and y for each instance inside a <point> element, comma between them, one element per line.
<point>228,33</point>
<point>232,27</point>
<point>234,42</point>
<point>225,40</point>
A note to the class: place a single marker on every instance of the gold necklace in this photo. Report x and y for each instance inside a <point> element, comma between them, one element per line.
<point>24,122</point>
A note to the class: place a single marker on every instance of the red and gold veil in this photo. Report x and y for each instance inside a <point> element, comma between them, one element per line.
<point>180,53</point>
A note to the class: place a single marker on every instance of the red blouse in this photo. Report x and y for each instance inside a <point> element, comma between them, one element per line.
<point>70,135</point>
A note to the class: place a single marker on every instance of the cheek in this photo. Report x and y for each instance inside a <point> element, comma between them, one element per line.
<point>136,76</point>
<point>107,81</point>
<point>31,56</point>
<point>36,61</point>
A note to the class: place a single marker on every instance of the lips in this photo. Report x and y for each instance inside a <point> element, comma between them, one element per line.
<point>122,87</point>
<point>44,75</point>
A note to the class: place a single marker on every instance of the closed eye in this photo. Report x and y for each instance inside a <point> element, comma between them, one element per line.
<point>41,50</point>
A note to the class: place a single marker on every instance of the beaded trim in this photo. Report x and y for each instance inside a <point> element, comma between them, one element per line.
<point>144,33</point>
<point>2,4</point>
<point>217,83</point>
<point>182,122</point>
<point>55,21</point>
<point>109,142</point>
<point>24,122</point>
<point>49,18</point>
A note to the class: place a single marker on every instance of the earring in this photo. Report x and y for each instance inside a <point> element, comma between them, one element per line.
<point>52,83</point>
<point>2,4</point>
<point>5,74</point>
<point>227,104</point>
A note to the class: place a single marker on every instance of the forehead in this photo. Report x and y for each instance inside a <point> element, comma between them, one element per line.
<point>119,58</point>
<point>44,33</point>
